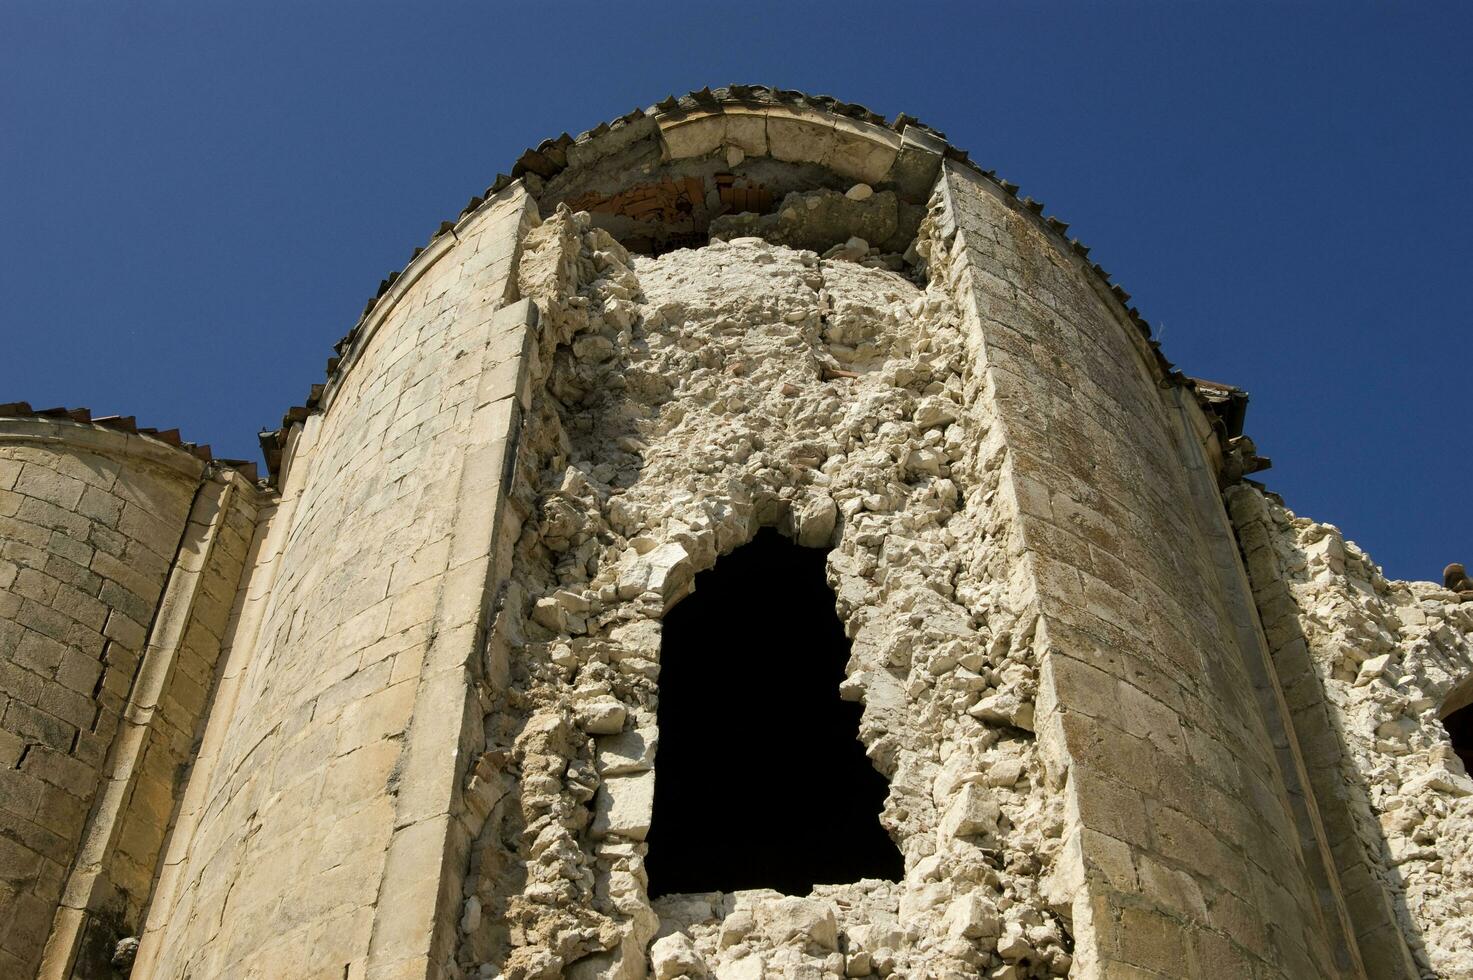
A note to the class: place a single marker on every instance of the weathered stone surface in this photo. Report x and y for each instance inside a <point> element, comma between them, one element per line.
<point>676,956</point>
<point>627,752</point>
<point>801,403</point>
<point>1125,732</point>
<point>121,558</point>
<point>602,715</point>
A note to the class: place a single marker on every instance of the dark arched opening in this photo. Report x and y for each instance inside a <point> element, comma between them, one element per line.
<point>1459,725</point>
<point>761,781</point>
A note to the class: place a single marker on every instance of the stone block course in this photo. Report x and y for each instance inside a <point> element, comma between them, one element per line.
<point>1111,483</point>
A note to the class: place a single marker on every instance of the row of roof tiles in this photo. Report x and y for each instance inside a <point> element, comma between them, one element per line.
<point>129,424</point>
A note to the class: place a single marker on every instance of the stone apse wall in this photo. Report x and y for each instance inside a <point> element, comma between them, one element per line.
<point>394,713</point>
<point>120,557</point>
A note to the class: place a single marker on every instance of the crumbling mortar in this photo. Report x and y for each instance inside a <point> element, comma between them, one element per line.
<point>634,386</point>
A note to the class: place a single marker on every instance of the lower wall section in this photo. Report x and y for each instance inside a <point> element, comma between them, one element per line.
<point>1369,667</point>
<point>112,877</point>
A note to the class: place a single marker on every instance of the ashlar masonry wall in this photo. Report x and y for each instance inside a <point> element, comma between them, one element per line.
<point>100,706</point>
<point>429,657</point>
<point>1156,705</point>
<point>326,775</point>
<point>112,877</point>
<point>681,403</point>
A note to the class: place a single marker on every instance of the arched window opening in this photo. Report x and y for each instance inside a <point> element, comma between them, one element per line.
<point>761,781</point>
<point>1459,725</point>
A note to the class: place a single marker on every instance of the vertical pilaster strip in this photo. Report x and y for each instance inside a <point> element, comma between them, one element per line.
<point>86,884</point>
<point>1178,822</point>
<point>251,603</point>
<point>1216,529</point>
<point>1372,918</point>
<point>415,919</point>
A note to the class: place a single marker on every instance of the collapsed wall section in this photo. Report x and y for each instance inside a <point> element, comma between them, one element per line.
<point>1196,855</point>
<point>325,776</point>
<point>681,404</point>
<point>119,557</point>
<point>1376,665</point>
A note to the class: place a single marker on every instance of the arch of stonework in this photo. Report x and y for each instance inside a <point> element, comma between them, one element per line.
<point>432,740</point>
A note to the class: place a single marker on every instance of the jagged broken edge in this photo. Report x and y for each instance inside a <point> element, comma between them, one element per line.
<point>550,157</point>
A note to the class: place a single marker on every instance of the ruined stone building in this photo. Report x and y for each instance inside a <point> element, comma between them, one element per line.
<point>749,541</point>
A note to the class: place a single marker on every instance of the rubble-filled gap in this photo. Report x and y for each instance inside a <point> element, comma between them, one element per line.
<point>761,781</point>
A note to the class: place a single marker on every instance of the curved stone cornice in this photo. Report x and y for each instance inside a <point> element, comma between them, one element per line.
<point>785,125</point>
<point>115,436</point>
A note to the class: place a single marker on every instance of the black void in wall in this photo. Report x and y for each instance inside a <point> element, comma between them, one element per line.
<point>761,781</point>
<point>1459,727</point>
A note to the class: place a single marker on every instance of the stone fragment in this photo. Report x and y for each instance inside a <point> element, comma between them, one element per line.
<point>860,192</point>
<point>470,916</point>
<point>859,964</point>
<point>623,805</point>
<point>1441,781</point>
<point>935,412</point>
<point>919,899</point>
<point>1004,708</point>
<point>562,612</point>
<point>971,813</point>
<point>1372,669</point>
<point>808,919</point>
<point>626,752</point>
<point>1003,773</point>
<point>736,927</point>
<point>749,967</point>
<point>602,715</point>
<point>1013,946</point>
<point>124,953</point>
<point>851,250</point>
<point>676,956</point>
<point>924,461</point>
<point>816,521</point>
<point>664,570</point>
<point>973,916</point>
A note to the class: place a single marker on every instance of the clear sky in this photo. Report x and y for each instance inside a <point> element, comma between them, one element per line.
<point>197,198</point>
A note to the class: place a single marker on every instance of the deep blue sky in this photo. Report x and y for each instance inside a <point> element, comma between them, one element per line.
<point>197,198</point>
